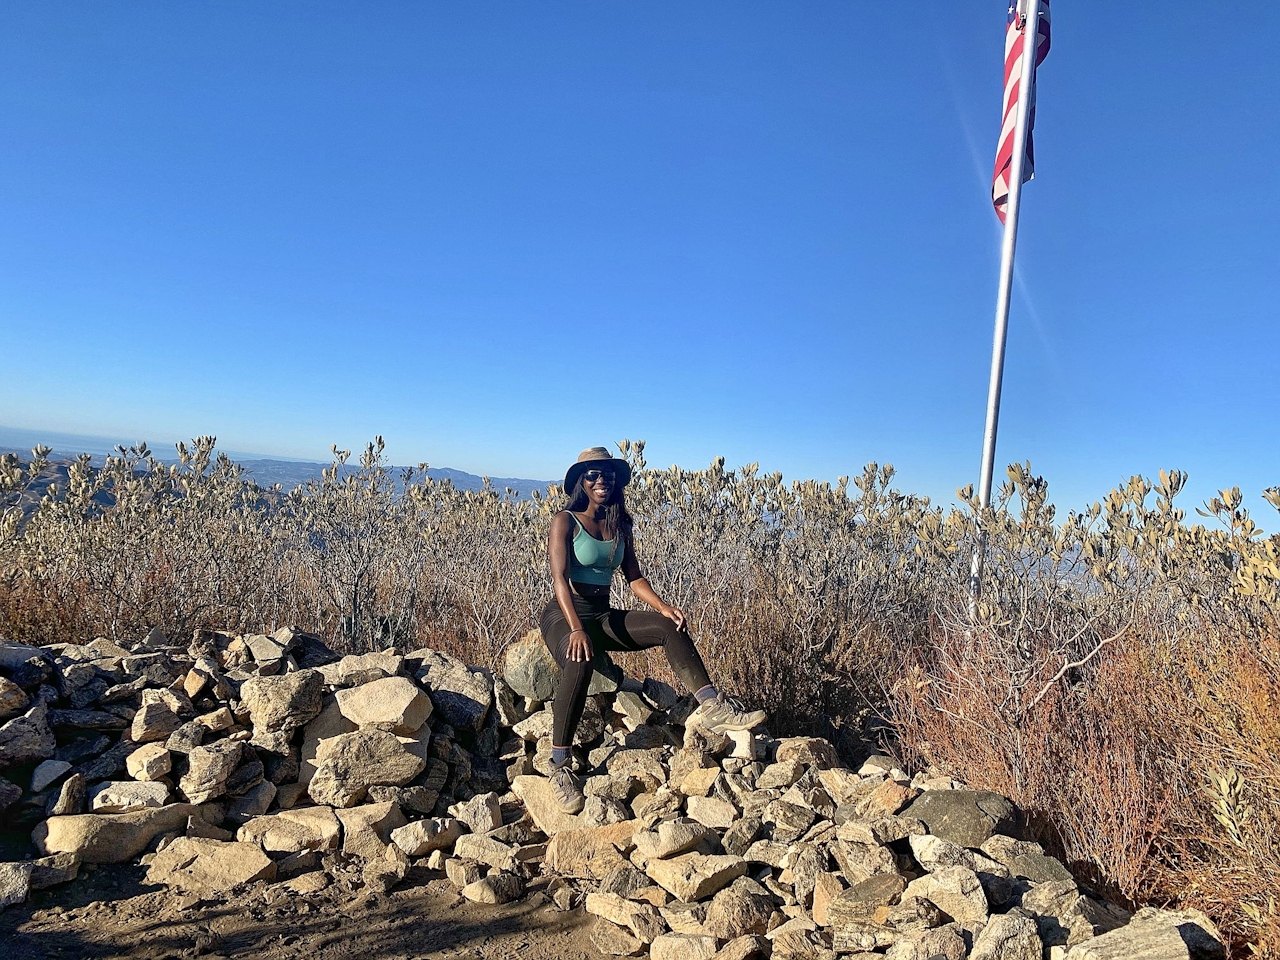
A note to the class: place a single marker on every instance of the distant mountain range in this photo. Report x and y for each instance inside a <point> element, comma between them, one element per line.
<point>266,471</point>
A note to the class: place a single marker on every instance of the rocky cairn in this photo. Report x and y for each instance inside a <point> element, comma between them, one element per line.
<point>241,760</point>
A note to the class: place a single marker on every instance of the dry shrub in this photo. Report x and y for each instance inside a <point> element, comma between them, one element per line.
<point>1131,712</point>
<point>1223,853</point>
<point>1118,679</point>
<point>1079,763</point>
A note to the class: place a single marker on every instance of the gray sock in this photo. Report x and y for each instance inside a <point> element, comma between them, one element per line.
<point>559,756</point>
<point>708,692</point>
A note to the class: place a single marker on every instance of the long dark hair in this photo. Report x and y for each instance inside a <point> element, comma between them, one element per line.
<point>617,521</point>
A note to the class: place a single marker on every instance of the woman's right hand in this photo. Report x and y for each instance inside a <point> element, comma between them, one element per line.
<point>579,647</point>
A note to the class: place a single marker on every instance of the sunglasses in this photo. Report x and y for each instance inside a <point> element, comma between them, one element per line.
<point>591,476</point>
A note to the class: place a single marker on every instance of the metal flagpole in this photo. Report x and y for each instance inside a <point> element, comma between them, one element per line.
<point>1030,38</point>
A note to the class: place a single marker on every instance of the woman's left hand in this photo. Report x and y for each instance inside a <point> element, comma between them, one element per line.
<point>674,614</point>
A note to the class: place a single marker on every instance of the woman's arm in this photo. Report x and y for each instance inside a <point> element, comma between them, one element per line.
<point>558,546</point>
<point>641,588</point>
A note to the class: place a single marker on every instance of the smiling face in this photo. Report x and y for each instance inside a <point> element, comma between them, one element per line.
<point>598,484</point>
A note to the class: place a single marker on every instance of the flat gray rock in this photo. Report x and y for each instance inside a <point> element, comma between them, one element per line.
<point>15,883</point>
<point>283,703</point>
<point>13,699</point>
<point>1155,935</point>
<point>27,738</point>
<point>209,769</point>
<point>461,695</point>
<point>965,817</point>
<point>209,867</point>
<point>125,795</point>
<point>47,774</point>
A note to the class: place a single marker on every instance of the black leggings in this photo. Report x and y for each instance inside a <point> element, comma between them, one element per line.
<point>610,629</point>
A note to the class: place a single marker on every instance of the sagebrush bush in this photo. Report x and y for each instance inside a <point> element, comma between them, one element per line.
<point>1118,679</point>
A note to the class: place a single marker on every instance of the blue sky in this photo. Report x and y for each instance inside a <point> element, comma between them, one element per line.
<point>499,233</point>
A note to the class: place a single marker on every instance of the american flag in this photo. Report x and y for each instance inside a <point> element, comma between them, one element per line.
<point>1013,44</point>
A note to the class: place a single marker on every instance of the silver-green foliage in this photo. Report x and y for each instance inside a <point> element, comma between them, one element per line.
<point>811,590</point>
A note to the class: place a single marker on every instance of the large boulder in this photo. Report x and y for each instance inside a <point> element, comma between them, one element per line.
<point>510,709</point>
<point>861,901</point>
<point>813,751</point>
<point>486,850</point>
<point>308,650</point>
<point>1065,917</point>
<point>283,703</point>
<point>529,668</point>
<point>71,797</point>
<point>712,811</point>
<point>15,655</point>
<point>186,738</point>
<point>394,704</point>
<point>208,868</point>
<point>68,723</point>
<point>641,919</point>
<point>252,803</point>
<point>534,727</point>
<point>496,888</point>
<point>50,871</point>
<point>613,941</point>
<point>109,837</point>
<point>265,650</point>
<point>482,813</point>
<point>670,838</point>
<point>462,695</point>
<point>634,710</point>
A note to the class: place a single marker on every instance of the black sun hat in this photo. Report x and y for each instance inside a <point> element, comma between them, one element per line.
<point>596,457</point>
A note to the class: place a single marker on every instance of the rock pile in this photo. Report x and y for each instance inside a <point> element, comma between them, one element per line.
<point>269,759</point>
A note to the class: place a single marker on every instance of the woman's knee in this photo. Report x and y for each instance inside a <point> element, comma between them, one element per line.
<point>678,638</point>
<point>649,629</point>
<point>575,674</point>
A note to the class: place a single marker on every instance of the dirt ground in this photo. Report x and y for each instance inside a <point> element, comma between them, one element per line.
<point>108,912</point>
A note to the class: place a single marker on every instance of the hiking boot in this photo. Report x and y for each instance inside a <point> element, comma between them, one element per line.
<point>566,788</point>
<point>726,713</point>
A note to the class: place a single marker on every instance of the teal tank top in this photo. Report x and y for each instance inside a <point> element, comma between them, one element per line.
<point>591,560</point>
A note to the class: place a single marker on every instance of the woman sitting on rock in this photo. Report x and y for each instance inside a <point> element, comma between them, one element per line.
<point>590,540</point>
